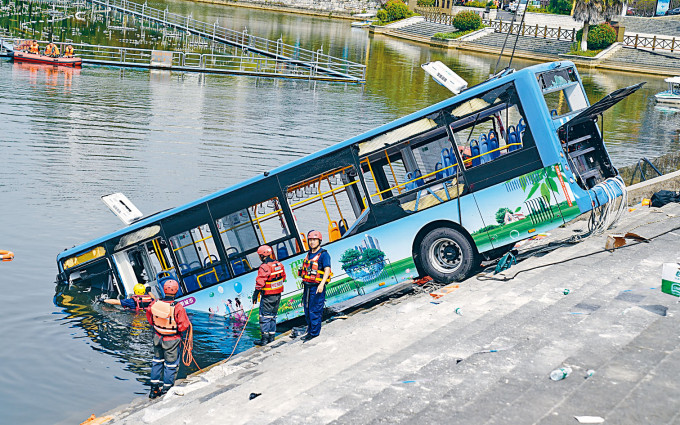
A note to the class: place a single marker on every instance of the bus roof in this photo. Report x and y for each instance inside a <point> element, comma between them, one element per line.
<point>470,92</point>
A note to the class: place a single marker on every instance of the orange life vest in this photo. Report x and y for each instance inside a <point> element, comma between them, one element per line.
<point>274,283</point>
<point>163,315</point>
<point>48,50</point>
<point>142,301</point>
<point>309,272</point>
<point>68,52</point>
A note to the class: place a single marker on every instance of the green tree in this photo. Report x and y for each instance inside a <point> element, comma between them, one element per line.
<point>350,258</point>
<point>372,255</point>
<point>500,215</point>
<point>593,11</point>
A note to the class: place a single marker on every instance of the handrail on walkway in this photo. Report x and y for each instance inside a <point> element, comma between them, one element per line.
<point>642,166</point>
<point>262,46</point>
<point>653,42</point>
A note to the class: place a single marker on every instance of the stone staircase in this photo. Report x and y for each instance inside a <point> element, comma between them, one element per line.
<point>667,26</point>
<point>528,44</point>
<point>411,361</point>
<point>645,58</point>
<point>422,31</point>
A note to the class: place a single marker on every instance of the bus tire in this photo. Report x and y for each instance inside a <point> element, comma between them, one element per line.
<point>447,256</point>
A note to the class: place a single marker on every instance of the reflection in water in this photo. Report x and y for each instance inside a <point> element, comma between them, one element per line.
<point>69,136</point>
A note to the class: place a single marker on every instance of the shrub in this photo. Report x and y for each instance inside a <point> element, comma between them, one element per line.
<point>382,15</point>
<point>600,36</point>
<point>425,3</point>
<point>467,20</point>
<point>474,3</point>
<point>561,7</point>
<point>397,9</point>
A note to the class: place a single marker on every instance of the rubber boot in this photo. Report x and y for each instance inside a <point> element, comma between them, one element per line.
<point>263,341</point>
<point>164,389</point>
<point>271,339</point>
<point>155,391</point>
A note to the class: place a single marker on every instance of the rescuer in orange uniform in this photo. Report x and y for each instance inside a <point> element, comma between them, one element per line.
<point>68,51</point>
<point>315,273</point>
<point>170,322</point>
<point>269,284</point>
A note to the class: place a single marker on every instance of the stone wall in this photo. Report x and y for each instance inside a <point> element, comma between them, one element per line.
<point>344,7</point>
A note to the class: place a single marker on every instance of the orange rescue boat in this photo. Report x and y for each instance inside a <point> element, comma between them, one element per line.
<point>21,56</point>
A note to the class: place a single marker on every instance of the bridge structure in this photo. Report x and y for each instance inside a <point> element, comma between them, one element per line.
<point>318,63</point>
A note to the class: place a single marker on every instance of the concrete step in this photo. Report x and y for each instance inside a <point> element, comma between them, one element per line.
<point>532,44</point>
<point>646,58</point>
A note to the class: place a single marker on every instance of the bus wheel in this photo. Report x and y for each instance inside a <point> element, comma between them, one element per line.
<point>447,255</point>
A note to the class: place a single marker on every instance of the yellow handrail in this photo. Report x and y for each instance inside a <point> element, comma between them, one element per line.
<point>442,169</point>
<point>392,169</point>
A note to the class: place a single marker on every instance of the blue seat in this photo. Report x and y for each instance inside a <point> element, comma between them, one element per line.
<point>484,149</point>
<point>521,126</point>
<point>413,180</point>
<point>343,227</point>
<point>281,251</point>
<point>439,174</point>
<point>493,145</point>
<point>474,152</point>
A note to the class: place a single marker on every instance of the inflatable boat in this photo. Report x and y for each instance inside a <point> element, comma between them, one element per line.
<point>37,58</point>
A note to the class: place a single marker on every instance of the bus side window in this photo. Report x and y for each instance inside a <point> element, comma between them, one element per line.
<point>198,258</point>
<point>331,203</point>
<point>243,231</point>
<point>493,135</point>
<point>421,172</point>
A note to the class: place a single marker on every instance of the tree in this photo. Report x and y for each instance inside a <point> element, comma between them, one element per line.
<point>500,215</point>
<point>595,11</point>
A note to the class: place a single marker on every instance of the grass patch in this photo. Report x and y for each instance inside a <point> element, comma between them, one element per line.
<point>453,35</point>
<point>575,50</point>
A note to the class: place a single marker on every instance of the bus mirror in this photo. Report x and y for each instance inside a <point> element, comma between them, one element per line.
<point>121,206</point>
<point>445,76</point>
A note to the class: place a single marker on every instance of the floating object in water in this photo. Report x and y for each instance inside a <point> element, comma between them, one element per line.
<point>47,60</point>
<point>94,420</point>
<point>672,95</point>
<point>6,255</point>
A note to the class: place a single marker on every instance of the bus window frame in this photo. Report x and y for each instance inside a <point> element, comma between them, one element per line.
<point>242,199</point>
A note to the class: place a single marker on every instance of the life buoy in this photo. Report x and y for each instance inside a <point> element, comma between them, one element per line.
<point>6,255</point>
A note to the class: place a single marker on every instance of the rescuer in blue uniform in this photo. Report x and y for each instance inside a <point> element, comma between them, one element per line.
<point>138,302</point>
<point>315,273</point>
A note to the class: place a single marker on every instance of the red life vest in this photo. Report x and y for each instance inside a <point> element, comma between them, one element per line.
<point>163,315</point>
<point>142,301</point>
<point>274,283</point>
<point>309,272</point>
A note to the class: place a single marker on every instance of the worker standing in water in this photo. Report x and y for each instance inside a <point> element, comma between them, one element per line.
<point>315,273</point>
<point>137,302</point>
<point>268,284</point>
<point>170,323</point>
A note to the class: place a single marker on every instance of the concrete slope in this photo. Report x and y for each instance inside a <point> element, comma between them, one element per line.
<point>412,361</point>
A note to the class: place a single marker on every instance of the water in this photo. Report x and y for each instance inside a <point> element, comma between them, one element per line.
<point>68,137</point>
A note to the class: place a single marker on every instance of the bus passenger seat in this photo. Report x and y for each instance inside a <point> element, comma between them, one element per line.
<point>474,152</point>
<point>333,231</point>
<point>281,251</point>
<point>343,227</point>
<point>304,241</point>
<point>483,148</point>
<point>494,144</point>
<point>439,174</point>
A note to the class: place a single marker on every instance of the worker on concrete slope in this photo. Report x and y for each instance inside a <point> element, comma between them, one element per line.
<point>170,323</point>
<point>268,284</point>
<point>315,273</point>
<point>137,302</point>
<point>68,51</point>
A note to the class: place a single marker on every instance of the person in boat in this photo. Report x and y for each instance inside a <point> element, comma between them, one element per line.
<point>315,273</point>
<point>137,302</point>
<point>170,323</point>
<point>68,51</point>
<point>268,284</point>
<point>35,47</point>
<point>48,49</point>
<point>55,51</point>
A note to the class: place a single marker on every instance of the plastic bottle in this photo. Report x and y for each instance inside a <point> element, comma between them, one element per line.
<point>589,373</point>
<point>458,311</point>
<point>559,374</point>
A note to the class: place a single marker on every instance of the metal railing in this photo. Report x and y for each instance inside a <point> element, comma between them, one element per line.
<point>653,43</point>
<point>199,62</point>
<point>278,50</point>
<point>642,167</point>
<point>536,31</point>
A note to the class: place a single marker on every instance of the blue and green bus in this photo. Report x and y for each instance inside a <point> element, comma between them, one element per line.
<point>432,193</point>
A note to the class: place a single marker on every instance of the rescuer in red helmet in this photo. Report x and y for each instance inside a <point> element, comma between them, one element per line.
<point>170,322</point>
<point>315,273</point>
<point>268,284</point>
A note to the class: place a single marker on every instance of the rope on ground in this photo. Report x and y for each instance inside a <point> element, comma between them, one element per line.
<point>188,347</point>
<point>507,278</point>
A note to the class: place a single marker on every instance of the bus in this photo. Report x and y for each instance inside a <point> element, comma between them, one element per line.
<point>430,194</point>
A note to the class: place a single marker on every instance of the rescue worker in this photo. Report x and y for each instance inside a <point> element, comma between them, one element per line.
<point>48,49</point>
<point>268,284</point>
<point>35,47</point>
<point>68,51</point>
<point>315,273</point>
<point>55,51</point>
<point>138,302</point>
<point>170,323</point>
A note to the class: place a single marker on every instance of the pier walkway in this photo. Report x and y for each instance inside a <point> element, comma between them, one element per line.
<point>410,360</point>
<point>175,60</point>
<point>282,52</point>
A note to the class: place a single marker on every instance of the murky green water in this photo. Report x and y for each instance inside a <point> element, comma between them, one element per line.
<point>68,137</point>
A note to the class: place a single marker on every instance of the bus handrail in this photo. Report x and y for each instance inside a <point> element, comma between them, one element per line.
<point>442,169</point>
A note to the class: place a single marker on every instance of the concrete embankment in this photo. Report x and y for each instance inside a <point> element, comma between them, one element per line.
<point>411,360</point>
<point>342,9</point>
